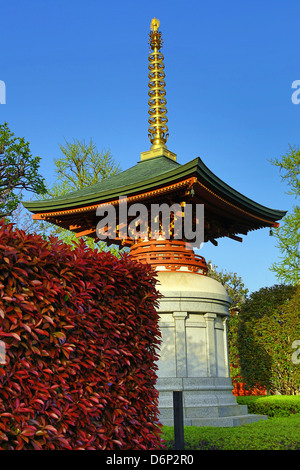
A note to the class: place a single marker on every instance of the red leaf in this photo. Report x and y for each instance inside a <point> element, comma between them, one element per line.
<point>36,444</point>
<point>26,327</point>
<point>28,306</point>
<point>36,282</point>
<point>29,431</point>
<point>49,319</point>
<point>14,335</point>
<point>51,428</point>
<point>41,332</point>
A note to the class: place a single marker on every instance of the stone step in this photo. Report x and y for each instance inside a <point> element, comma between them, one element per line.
<point>225,421</point>
<point>207,411</point>
<point>212,411</point>
<point>232,410</point>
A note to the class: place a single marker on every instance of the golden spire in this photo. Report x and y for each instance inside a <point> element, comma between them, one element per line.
<point>158,129</point>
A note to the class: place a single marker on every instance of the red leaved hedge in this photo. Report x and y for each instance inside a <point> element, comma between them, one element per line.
<point>81,335</point>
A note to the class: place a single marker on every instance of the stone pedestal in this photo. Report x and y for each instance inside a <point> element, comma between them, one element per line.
<point>194,352</point>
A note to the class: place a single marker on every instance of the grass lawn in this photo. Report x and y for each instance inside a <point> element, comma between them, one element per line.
<point>281,433</point>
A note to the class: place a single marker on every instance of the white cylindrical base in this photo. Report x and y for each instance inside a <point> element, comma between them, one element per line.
<point>194,351</point>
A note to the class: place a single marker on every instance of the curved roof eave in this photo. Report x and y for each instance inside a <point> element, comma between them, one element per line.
<point>166,173</point>
<point>217,184</point>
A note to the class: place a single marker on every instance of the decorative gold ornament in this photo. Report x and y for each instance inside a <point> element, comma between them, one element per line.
<point>158,129</point>
<point>154,24</point>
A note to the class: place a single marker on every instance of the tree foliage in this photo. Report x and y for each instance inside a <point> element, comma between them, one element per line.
<point>18,171</point>
<point>287,269</point>
<point>233,284</point>
<point>269,323</point>
<point>80,165</point>
<point>290,165</point>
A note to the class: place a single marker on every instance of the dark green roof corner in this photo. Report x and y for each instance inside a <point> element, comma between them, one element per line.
<point>206,174</point>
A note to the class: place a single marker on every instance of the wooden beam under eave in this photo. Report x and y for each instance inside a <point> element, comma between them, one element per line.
<point>234,237</point>
<point>38,216</point>
<point>85,232</point>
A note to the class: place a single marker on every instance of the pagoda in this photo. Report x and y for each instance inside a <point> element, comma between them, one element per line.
<point>194,308</point>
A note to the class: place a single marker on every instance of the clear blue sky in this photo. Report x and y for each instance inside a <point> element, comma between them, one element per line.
<point>78,69</point>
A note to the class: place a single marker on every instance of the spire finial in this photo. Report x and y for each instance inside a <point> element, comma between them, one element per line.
<point>154,24</point>
<point>158,129</point>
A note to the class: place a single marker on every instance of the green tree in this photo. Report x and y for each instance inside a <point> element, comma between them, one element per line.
<point>233,284</point>
<point>18,171</point>
<point>287,269</point>
<point>80,165</point>
<point>269,323</point>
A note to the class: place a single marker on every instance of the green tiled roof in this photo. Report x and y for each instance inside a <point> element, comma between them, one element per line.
<point>128,180</point>
<point>145,176</point>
